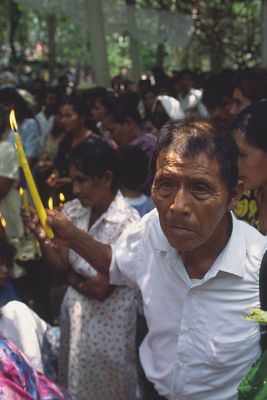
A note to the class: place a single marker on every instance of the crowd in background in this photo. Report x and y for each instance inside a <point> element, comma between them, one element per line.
<point>71,138</point>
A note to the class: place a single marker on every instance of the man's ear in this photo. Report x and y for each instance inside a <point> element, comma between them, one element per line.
<point>236,194</point>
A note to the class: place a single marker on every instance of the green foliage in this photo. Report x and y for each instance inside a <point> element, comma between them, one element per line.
<point>227,33</point>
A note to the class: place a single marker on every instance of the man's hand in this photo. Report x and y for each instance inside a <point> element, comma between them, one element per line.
<point>63,228</point>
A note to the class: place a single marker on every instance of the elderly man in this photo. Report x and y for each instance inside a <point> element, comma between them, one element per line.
<point>196,265</point>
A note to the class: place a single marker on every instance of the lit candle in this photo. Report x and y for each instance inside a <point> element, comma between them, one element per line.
<point>50,203</point>
<point>61,199</point>
<point>29,178</point>
<point>3,225</point>
<point>23,193</point>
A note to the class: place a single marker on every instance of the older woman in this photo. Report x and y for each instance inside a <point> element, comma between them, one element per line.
<point>97,357</point>
<point>250,134</point>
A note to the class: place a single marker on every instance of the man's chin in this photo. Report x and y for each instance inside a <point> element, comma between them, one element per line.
<point>182,242</point>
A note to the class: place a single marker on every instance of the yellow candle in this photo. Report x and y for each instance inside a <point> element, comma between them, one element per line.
<point>29,178</point>
<point>24,195</point>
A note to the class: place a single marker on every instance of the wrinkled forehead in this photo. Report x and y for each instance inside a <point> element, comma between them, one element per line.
<point>173,156</point>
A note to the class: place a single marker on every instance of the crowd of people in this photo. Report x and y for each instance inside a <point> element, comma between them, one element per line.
<point>157,200</point>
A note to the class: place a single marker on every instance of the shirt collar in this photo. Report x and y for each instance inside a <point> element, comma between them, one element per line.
<point>115,210</point>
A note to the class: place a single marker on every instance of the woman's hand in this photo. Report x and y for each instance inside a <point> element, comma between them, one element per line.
<point>56,182</point>
<point>53,179</point>
<point>96,288</point>
<point>44,166</point>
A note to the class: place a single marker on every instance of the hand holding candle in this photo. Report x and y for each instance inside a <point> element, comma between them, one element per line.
<point>29,178</point>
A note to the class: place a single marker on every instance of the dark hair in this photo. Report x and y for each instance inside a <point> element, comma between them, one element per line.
<point>217,90</point>
<point>134,166</point>
<point>123,108</point>
<point>94,156</point>
<point>4,121</point>
<point>252,82</point>
<point>78,105</point>
<point>150,89</point>
<point>252,121</point>
<point>193,136</point>
<point>106,101</point>
<point>7,251</point>
<point>11,97</point>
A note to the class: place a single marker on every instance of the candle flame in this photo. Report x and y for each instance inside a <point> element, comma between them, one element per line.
<point>3,222</point>
<point>50,203</point>
<point>61,197</point>
<point>12,121</point>
<point>21,191</point>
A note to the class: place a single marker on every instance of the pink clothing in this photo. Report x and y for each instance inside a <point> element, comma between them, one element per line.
<point>19,381</point>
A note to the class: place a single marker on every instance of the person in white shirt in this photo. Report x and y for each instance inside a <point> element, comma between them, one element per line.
<point>46,116</point>
<point>196,266</point>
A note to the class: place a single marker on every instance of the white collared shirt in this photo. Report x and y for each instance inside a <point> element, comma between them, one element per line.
<point>198,346</point>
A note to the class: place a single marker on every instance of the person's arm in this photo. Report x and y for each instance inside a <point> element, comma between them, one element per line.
<point>97,254</point>
<point>97,287</point>
<point>67,235</point>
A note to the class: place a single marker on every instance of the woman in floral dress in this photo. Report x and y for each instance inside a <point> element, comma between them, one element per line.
<point>98,322</point>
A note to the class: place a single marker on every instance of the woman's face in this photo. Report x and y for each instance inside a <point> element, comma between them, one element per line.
<point>88,189</point>
<point>71,121</point>
<point>252,163</point>
<point>98,111</point>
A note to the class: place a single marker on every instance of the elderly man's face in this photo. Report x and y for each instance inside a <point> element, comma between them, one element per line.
<point>192,200</point>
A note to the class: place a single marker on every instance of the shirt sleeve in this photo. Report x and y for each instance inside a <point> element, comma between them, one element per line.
<point>8,161</point>
<point>127,257</point>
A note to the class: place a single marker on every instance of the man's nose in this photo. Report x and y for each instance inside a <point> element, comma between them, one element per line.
<point>181,203</point>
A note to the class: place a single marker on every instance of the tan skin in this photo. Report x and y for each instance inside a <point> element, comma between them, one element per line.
<point>239,102</point>
<point>193,204</point>
<point>92,192</point>
<point>72,123</point>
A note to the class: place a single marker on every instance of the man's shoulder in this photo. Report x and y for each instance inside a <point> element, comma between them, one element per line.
<point>254,241</point>
<point>148,230</point>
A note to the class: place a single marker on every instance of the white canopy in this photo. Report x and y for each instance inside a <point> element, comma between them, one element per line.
<point>109,16</point>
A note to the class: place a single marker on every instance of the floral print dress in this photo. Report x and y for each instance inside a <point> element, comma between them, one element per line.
<point>98,350</point>
<point>247,208</point>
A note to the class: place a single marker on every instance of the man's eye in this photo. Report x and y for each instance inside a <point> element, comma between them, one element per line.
<point>240,154</point>
<point>201,189</point>
<point>166,185</point>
